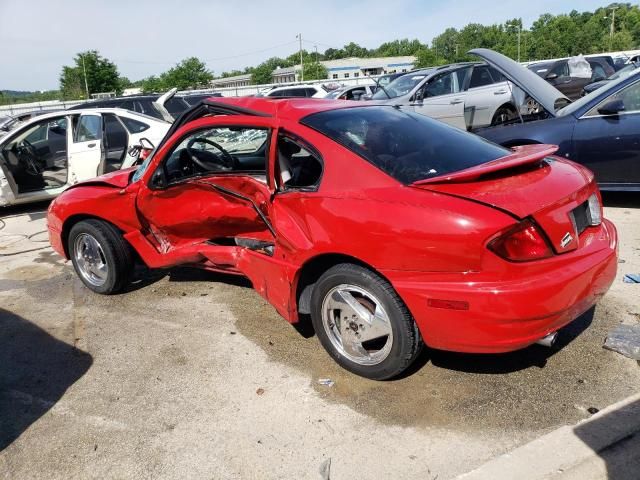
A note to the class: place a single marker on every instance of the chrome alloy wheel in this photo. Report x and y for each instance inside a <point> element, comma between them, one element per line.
<point>90,259</point>
<point>357,324</point>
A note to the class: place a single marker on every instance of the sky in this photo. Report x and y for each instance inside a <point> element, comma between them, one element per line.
<point>147,37</point>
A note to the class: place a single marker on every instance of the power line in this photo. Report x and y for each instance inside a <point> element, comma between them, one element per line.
<point>230,57</point>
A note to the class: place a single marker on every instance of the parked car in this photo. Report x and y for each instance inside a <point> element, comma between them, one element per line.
<point>163,107</point>
<point>44,156</point>
<point>465,95</point>
<point>354,92</point>
<point>293,91</point>
<point>11,122</point>
<point>627,70</point>
<point>386,79</point>
<point>195,98</point>
<point>600,130</point>
<point>570,77</point>
<point>389,228</point>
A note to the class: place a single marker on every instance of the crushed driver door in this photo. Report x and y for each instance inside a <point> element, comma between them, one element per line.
<point>208,197</point>
<point>85,148</point>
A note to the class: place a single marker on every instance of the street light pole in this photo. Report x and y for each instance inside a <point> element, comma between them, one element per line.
<point>613,23</point>
<point>84,70</point>
<point>299,36</point>
<point>519,25</point>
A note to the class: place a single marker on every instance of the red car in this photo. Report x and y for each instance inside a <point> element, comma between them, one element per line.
<point>390,229</point>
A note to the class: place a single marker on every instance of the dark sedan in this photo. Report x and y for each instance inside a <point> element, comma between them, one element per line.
<point>601,130</point>
<point>560,74</point>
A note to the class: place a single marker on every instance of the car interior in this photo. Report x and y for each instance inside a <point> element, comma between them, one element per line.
<point>298,167</point>
<point>37,157</point>
<point>219,150</point>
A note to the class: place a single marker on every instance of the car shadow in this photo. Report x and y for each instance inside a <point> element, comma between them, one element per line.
<point>36,370</point>
<point>499,363</point>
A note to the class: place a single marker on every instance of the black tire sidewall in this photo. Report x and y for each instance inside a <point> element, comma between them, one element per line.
<point>405,336</point>
<point>104,235</point>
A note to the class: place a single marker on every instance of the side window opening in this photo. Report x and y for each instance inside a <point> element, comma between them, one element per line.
<point>88,128</point>
<point>219,150</point>
<point>299,167</point>
<point>480,77</point>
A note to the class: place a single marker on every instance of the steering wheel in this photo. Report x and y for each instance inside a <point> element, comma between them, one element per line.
<point>225,162</point>
<point>31,156</point>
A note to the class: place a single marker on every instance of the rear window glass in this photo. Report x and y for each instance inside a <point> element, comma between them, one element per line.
<point>407,146</point>
<point>134,126</point>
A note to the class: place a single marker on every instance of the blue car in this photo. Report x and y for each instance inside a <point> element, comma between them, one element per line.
<point>600,130</point>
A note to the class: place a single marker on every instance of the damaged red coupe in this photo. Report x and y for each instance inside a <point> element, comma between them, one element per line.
<point>390,229</point>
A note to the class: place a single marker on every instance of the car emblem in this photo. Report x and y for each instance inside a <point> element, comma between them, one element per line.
<point>566,240</point>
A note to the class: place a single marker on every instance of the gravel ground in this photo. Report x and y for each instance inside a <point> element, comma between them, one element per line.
<point>193,375</point>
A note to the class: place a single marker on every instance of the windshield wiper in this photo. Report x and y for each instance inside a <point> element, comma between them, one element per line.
<point>379,86</point>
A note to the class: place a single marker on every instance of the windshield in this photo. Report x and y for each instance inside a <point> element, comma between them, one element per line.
<point>624,72</point>
<point>334,94</point>
<point>405,145</point>
<point>400,86</point>
<point>604,91</point>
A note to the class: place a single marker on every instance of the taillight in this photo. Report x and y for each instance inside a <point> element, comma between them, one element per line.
<point>521,243</point>
<point>595,210</point>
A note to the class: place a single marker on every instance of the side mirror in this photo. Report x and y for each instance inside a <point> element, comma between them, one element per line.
<point>366,97</point>
<point>612,107</point>
<point>418,97</point>
<point>551,76</point>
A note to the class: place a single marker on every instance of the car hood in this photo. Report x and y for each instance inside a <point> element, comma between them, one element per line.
<point>536,87</point>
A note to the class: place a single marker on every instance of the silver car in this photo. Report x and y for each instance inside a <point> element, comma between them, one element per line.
<point>465,95</point>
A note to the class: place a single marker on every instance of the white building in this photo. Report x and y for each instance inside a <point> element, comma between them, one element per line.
<point>235,81</point>
<point>349,68</point>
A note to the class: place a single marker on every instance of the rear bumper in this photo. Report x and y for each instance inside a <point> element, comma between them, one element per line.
<point>516,307</point>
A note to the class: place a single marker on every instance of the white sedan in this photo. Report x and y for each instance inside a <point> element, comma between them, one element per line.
<point>47,154</point>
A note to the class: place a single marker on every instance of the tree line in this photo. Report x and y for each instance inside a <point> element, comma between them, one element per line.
<point>610,28</point>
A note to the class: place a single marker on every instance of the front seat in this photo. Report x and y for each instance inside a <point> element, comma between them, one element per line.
<point>286,150</point>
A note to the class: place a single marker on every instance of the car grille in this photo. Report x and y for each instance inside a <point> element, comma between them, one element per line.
<point>581,217</point>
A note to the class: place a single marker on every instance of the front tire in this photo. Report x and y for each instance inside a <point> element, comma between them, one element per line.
<point>362,323</point>
<point>100,255</point>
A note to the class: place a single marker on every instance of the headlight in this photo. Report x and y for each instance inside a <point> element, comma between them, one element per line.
<point>595,210</point>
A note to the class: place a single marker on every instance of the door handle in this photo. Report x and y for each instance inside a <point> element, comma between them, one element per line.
<point>500,92</point>
<point>456,101</point>
<point>91,145</point>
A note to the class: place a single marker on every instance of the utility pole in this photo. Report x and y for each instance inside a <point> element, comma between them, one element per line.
<point>519,25</point>
<point>84,70</point>
<point>613,26</point>
<point>299,37</point>
<point>316,47</point>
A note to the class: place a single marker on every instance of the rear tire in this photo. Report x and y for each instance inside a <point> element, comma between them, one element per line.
<point>362,322</point>
<point>100,255</point>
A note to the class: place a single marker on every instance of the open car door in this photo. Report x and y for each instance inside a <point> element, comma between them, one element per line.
<point>85,148</point>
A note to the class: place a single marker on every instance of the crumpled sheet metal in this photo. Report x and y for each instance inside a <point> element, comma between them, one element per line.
<point>624,339</point>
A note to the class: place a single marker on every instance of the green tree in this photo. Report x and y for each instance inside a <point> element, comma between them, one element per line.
<point>152,84</point>
<point>101,76</point>
<point>189,73</point>
<point>262,73</point>
<point>314,71</point>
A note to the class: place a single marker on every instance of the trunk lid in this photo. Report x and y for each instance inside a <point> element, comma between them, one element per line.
<point>527,183</point>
